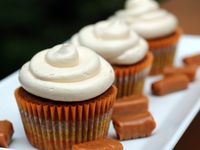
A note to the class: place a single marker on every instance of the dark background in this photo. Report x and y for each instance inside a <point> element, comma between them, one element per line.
<point>28,26</point>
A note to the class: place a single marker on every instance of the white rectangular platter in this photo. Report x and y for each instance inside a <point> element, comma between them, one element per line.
<point>173,113</point>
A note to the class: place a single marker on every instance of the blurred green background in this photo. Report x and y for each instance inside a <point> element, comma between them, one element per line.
<point>28,26</point>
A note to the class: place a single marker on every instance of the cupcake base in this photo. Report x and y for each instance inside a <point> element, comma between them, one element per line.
<point>58,125</point>
<point>130,79</point>
<point>164,51</point>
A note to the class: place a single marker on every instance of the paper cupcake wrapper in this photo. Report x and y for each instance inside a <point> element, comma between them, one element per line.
<point>130,84</point>
<point>164,50</point>
<point>130,79</point>
<point>162,58</point>
<point>51,126</point>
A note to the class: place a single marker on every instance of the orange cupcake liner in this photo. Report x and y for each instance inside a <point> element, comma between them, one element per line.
<point>164,50</point>
<point>163,58</point>
<point>58,125</point>
<point>130,79</point>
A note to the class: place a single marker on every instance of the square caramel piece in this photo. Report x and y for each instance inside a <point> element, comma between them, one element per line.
<point>134,126</point>
<point>100,144</point>
<point>130,105</point>
<point>192,60</point>
<point>189,71</point>
<point>170,84</point>
<point>6,132</point>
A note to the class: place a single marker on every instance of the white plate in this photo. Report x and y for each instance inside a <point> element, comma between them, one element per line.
<point>173,113</point>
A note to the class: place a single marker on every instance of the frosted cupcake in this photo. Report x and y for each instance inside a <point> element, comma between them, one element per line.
<point>157,26</point>
<point>66,97</point>
<point>123,48</point>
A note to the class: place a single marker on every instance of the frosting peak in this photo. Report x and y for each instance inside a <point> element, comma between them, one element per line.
<point>115,29</point>
<point>113,40</point>
<point>66,73</point>
<point>65,56</point>
<point>141,6</point>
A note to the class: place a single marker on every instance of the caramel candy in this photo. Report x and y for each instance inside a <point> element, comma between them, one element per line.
<point>6,132</point>
<point>101,144</point>
<point>134,126</point>
<point>170,84</point>
<point>192,60</point>
<point>130,105</point>
<point>189,71</point>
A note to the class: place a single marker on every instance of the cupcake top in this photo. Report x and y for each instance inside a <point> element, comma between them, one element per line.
<point>113,40</point>
<point>139,7</point>
<point>66,73</point>
<point>147,19</point>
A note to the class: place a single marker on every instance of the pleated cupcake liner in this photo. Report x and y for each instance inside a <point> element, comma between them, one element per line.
<point>164,50</point>
<point>163,58</point>
<point>130,84</point>
<point>130,79</point>
<point>59,126</point>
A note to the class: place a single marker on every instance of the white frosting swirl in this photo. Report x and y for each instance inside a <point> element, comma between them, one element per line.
<point>155,24</point>
<point>113,40</point>
<point>66,73</point>
<point>138,7</point>
<point>147,19</point>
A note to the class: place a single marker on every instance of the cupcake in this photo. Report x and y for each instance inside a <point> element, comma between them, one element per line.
<point>159,27</point>
<point>123,48</point>
<point>66,97</point>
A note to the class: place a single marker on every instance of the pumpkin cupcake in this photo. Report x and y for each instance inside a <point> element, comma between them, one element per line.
<point>159,27</point>
<point>123,48</point>
<point>66,97</point>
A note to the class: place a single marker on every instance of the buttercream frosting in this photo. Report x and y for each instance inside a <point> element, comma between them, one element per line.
<point>66,73</point>
<point>147,19</point>
<point>155,24</point>
<point>113,40</point>
<point>138,7</point>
